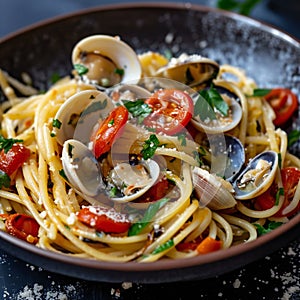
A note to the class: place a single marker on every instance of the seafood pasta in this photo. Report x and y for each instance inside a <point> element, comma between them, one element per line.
<point>140,157</point>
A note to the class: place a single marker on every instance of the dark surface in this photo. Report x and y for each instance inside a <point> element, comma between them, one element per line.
<point>276,276</point>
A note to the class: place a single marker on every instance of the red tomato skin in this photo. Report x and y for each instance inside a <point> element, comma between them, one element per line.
<point>156,192</point>
<point>170,105</point>
<point>109,130</point>
<point>22,226</point>
<point>14,158</point>
<point>290,177</point>
<point>284,102</point>
<point>102,221</point>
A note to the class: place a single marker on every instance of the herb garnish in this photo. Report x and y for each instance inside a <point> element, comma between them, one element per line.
<point>81,69</point>
<point>4,179</point>
<point>260,92</point>
<point>293,137</point>
<point>139,109</point>
<point>150,146</point>
<point>119,71</point>
<point>208,101</point>
<point>167,245</point>
<point>63,174</point>
<point>6,144</point>
<point>181,138</point>
<point>261,230</point>
<point>56,123</point>
<point>55,77</point>
<point>279,193</point>
<point>148,216</point>
<point>243,7</point>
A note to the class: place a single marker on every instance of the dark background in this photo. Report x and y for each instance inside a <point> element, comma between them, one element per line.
<point>276,276</point>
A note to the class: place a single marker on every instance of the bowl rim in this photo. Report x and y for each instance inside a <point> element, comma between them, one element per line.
<point>215,257</point>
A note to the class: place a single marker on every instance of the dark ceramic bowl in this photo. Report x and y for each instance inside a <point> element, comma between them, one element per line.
<point>269,56</point>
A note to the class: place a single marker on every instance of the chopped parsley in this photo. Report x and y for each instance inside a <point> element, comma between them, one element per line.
<point>119,71</point>
<point>208,102</point>
<point>261,230</point>
<point>139,109</point>
<point>4,179</point>
<point>6,144</point>
<point>111,122</point>
<point>54,78</point>
<point>167,245</point>
<point>148,216</point>
<point>293,137</point>
<point>56,123</point>
<point>81,69</point>
<point>279,193</point>
<point>243,7</point>
<point>150,146</point>
<point>63,174</point>
<point>182,139</point>
<point>70,149</point>
<point>260,92</point>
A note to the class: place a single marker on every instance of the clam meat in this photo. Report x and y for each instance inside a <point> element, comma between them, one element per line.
<point>106,60</point>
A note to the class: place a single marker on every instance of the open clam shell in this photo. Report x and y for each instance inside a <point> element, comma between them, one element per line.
<point>191,70</point>
<point>257,177</point>
<point>232,95</point>
<point>81,168</point>
<point>108,60</point>
<point>80,113</point>
<point>211,190</point>
<point>140,177</point>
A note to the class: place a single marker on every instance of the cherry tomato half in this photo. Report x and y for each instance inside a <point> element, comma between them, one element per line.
<point>104,219</point>
<point>23,227</point>
<point>284,102</point>
<point>14,158</point>
<point>172,110</point>
<point>109,130</point>
<point>290,178</point>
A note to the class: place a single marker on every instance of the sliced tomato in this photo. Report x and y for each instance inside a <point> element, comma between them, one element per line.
<point>14,158</point>
<point>109,130</point>
<point>290,178</point>
<point>23,227</point>
<point>189,246</point>
<point>156,192</point>
<point>104,219</point>
<point>208,245</point>
<point>284,102</point>
<point>171,111</point>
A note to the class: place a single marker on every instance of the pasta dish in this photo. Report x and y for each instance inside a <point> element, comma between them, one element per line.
<point>139,157</point>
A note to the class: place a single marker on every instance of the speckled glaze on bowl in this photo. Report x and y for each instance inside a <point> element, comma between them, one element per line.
<point>269,56</point>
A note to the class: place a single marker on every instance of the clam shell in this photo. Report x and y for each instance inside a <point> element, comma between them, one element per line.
<point>263,169</point>
<point>115,50</point>
<point>211,190</point>
<point>85,109</point>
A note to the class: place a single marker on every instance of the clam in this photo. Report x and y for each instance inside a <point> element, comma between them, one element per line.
<point>192,70</point>
<point>257,176</point>
<point>134,180</point>
<point>211,190</point>
<point>228,155</point>
<point>81,168</point>
<point>108,60</point>
<point>84,174</point>
<point>80,113</point>
<point>232,96</point>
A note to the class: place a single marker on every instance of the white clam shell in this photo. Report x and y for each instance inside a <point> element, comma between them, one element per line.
<point>237,113</point>
<point>200,69</point>
<point>81,168</point>
<point>88,106</point>
<point>120,53</point>
<point>129,176</point>
<point>211,190</point>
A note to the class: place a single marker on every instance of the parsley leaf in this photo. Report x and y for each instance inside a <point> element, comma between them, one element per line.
<point>119,71</point>
<point>148,216</point>
<point>209,101</point>
<point>261,230</point>
<point>279,193</point>
<point>4,179</point>
<point>6,144</point>
<point>56,123</point>
<point>139,109</point>
<point>243,7</point>
<point>81,69</point>
<point>167,245</point>
<point>293,137</point>
<point>150,146</point>
<point>260,92</point>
